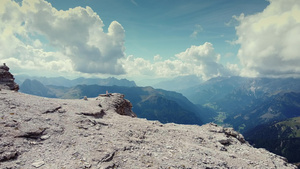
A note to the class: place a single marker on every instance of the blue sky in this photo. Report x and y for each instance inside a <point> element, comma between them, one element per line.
<point>166,27</point>
<point>157,39</point>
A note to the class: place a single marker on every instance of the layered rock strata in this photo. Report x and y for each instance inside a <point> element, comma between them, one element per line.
<point>7,79</point>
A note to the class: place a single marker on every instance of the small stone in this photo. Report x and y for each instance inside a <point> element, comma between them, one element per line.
<point>169,147</point>
<point>33,143</point>
<point>62,111</point>
<point>38,163</point>
<point>87,165</point>
<point>223,149</point>
<point>45,137</point>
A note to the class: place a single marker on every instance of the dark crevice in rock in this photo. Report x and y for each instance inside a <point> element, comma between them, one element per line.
<point>103,124</point>
<point>34,134</point>
<point>225,142</point>
<point>97,115</point>
<point>52,110</point>
<point>108,157</point>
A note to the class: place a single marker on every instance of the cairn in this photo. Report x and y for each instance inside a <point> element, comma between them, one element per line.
<point>7,80</point>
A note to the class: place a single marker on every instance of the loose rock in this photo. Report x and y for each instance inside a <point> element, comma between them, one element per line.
<point>38,163</point>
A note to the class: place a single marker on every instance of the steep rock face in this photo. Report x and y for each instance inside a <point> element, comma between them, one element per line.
<point>38,132</point>
<point>7,79</point>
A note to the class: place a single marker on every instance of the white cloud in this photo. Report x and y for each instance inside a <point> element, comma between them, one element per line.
<point>140,67</point>
<point>197,60</point>
<point>157,58</point>
<point>205,61</point>
<point>233,68</point>
<point>202,53</point>
<point>198,28</point>
<point>35,32</point>
<point>270,40</point>
<point>37,43</point>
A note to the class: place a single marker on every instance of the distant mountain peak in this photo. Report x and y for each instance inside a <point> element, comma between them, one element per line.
<point>61,81</point>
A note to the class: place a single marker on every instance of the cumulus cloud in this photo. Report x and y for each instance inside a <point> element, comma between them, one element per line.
<point>197,60</point>
<point>270,40</point>
<point>140,67</point>
<point>157,58</point>
<point>35,32</point>
<point>205,60</point>
<point>203,53</point>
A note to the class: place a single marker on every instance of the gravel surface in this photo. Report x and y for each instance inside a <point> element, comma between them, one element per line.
<point>103,133</point>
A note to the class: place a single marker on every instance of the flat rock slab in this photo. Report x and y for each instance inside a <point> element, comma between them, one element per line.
<point>38,164</point>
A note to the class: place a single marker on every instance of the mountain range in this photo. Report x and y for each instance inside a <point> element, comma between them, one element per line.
<point>149,103</point>
<point>179,83</point>
<point>35,87</point>
<point>246,104</point>
<point>61,81</point>
<point>240,102</point>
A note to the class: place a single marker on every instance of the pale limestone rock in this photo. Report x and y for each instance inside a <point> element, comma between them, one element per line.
<point>38,163</point>
<point>79,138</point>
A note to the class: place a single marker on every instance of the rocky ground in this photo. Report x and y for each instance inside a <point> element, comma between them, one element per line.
<point>103,132</point>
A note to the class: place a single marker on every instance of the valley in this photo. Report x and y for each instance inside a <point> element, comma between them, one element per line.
<point>246,104</point>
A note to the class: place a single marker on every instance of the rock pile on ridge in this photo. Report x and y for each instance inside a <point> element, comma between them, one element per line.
<point>38,132</point>
<point>7,80</point>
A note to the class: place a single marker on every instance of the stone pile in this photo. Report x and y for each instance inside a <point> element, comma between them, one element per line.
<point>7,79</point>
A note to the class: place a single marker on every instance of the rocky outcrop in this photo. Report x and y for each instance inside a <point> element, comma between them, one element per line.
<point>7,79</point>
<point>121,105</point>
<point>38,132</point>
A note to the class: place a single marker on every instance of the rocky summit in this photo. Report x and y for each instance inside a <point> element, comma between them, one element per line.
<point>103,132</point>
<point>7,80</point>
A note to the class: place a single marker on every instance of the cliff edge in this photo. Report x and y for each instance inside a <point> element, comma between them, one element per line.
<point>37,132</point>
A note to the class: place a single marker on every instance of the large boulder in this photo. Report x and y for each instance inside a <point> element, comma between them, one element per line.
<point>7,80</point>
